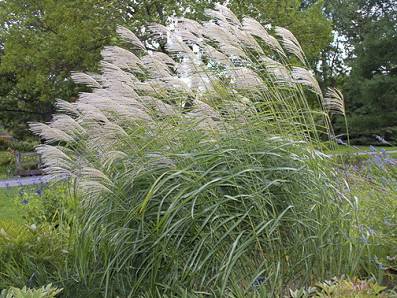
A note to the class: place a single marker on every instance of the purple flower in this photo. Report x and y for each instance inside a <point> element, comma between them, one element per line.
<point>39,192</point>
<point>372,148</point>
<point>378,161</point>
<point>24,202</point>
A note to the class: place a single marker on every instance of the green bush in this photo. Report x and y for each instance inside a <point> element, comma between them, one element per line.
<point>340,288</point>
<point>33,251</point>
<point>23,145</point>
<point>53,205</point>
<point>30,255</point>
<point>7,164</point>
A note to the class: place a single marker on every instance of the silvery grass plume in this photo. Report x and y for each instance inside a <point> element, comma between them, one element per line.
<point>334,103</point>
<point>220,87</point>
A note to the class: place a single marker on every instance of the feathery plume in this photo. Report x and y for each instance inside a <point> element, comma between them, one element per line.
<point>50,134</point>
<point>220,59</point>
<point>244,38</point>
<point>92,190</point>
<point>56,163</point>
<point>201,121</point>
<point>155,67</point>
<point>161,107</point>
<point>189,25</point>
<point>216,56</point>
<point>228,14</point>
<point>334,101</point>
<point>163,58</point>
<point>290,43</point>
<point>175,45</point>
<point>233,51</point>
<point>246,78</point>
<point>85,79</point>
<point>218,34</point>
<point>305,77</point>
<point>188,37</point>
<point>255,28</point>
<point>94,174</point>
<point>215,15</point>
<point>122,58</point>
<point>67,124</point>
<point>205,109</point>
<point>278,71</point>
<point>66,107</point>
<point>110,157</point>
<point>130,37</point>
<point>158,31</point>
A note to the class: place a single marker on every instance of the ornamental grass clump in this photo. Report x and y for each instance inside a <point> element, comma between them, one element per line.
<point>197,167</point>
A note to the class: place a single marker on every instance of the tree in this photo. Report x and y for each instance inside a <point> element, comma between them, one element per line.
<point>370,32</point>
<point>305,19</point>
<point>42,42</point>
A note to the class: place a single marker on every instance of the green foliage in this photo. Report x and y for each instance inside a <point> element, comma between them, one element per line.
<point>306,20</point>
<point>31,254</point>
<point>52,205</point>
<point>370,45</point>
<point>43,42</point>
<point>35,238</point>
<point>44,292</point>
<point>342,288</point>
<point>372,88</point>
<point>225,196</point>
<point>8,205</point>
<point>219,219</point>
<point>6,164</point>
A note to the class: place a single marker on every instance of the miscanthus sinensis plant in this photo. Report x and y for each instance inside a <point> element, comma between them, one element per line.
<point>197,167</point>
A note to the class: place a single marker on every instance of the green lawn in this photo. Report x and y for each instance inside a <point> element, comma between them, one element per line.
<point>10,207</point>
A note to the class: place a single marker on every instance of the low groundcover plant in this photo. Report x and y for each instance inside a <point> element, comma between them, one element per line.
<point>198,170</point>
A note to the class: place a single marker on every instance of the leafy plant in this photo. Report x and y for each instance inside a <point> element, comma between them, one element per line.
<point>52,204</point>
<point>44,292</point>
<point>343,288</point>
<point>31,255</point>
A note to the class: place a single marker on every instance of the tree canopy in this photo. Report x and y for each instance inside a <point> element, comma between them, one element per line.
<point>42,42</point>
<point>370,50</point>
